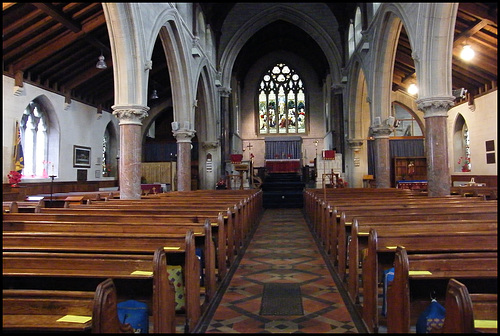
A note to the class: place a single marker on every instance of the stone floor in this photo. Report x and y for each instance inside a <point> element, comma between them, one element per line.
<point>283,250</point>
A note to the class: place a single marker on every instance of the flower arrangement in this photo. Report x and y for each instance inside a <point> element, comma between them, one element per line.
<point>106,171</point>
<point>465,163</point>
<point>221,184</point>
<point>464,160</point>
<point>14,178</point>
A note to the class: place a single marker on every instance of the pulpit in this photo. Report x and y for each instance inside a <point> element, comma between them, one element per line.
<point>240,168</point>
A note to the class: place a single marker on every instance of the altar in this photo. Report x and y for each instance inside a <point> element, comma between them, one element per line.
<point>283,166</point>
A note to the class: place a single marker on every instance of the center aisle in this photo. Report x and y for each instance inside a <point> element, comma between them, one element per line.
<point>282,252</point>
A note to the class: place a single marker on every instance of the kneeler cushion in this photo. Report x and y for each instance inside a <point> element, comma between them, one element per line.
<point>175,276</point>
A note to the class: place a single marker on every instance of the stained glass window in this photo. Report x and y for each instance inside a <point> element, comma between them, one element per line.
<point>282,102</point>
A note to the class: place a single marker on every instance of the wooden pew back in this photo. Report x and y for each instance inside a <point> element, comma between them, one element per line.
<point>39,310</point>
<point>414,242</point>
<point>429,267</point>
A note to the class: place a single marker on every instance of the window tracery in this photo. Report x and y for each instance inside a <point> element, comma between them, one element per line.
<point>282,103</point>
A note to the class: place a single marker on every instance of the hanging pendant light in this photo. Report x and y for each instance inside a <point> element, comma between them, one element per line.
<point>101,64</point>
<point>467,53</point>
<point>412,89</point>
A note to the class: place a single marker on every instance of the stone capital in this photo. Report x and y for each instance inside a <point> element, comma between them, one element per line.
<point>184,135</point>
<point>355,144</point>
<point>210,145</point>
<point>435,106</point>
<point>224,91</point>
<point>338,87</point>
<point>381,131</point>
<point>130,114</point>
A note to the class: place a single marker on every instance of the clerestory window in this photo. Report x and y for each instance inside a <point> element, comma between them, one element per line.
<point>282,102</point>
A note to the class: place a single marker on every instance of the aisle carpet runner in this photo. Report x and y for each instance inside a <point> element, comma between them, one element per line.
<point>282,284</point>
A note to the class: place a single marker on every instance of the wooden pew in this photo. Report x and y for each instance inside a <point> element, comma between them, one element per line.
<point>360,231</point>
<point>238,230</point>
<point>200,231</point>
<point>326,210</point>
<point>381,250</point>
<point>217,220</point>
<point>22,206</point>
<point>245,210</point>
<point>142,269</point>
<point>487,193</point>
<point>412,270</point>
<point>129,243</point>
<point>316,202</point>
<point>338,215</point>
<point>40,310</point>
<point>340,235</point>
<point>467,313</point>
<point>231,220</point>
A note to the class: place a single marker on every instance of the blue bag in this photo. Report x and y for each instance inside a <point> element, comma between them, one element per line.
<point>388,277</point>
<point>201,257</point>
<point>432,318</point>
<point>134,313</point>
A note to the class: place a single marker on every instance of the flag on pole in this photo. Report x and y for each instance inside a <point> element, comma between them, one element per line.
<point>18,150</point>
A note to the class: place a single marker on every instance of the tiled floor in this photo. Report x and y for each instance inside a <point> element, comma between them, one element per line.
<point>282,250</point>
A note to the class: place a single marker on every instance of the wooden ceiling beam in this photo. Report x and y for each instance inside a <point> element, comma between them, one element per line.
<point>49,49</point>
<point>469,32</point>
<point>85,76</point>
<point>59,16</point>
<point>478,10</point>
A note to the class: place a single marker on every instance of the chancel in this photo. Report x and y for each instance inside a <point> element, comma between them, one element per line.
<point>283,154</point>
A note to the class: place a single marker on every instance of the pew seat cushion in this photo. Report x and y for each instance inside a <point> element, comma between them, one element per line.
<point>175,276</point>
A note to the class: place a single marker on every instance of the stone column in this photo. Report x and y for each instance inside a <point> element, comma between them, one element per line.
<point>436,144</point>
<point>337,118</point>
<point>382,152</point>
<point>130,117</point>
<point>183,136</point>
<point>211,170</point>
<point>356,180</point>
<point>225,141</point>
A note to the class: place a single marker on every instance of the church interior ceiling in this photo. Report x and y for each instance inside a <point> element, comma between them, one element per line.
<point>56,46</point>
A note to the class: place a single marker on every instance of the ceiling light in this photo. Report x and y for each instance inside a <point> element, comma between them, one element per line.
<point>154,94</point>
<point>412,89</point>
<point>467,53</point>
<point>101,64</point>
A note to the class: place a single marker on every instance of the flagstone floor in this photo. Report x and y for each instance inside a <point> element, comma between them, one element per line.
<point>283,250</point>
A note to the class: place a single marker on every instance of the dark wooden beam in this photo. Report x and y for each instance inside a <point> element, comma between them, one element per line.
<point>59,16</point>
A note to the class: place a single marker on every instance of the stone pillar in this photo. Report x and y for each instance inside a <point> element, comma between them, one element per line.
<point>356,180</point>
<point>211,171</point>
<point>381,134</point>
<point>183,136</point>
<point>337,118</point>
<point>436,144</point>
<point>225,141</point>
<point>130,117</point>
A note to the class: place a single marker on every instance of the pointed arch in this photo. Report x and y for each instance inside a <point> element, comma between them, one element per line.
<point>461,144</point>
<point>385,46</point>
<point>206,129</point>
<point>177,63</point>
<point>111,145</point>
<point>40,138</point>
<point>274,13</point>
